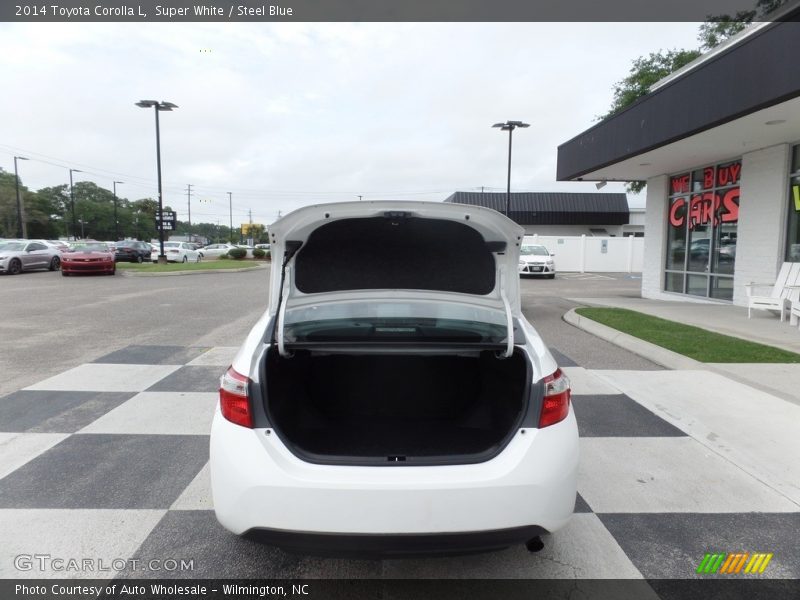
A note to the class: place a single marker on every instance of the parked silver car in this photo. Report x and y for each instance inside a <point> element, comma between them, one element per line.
<point>24,255</point>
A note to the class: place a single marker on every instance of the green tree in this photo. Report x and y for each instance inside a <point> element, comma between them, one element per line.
<point>8,205</point>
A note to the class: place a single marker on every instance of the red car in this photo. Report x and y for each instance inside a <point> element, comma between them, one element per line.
<point>88,257</point>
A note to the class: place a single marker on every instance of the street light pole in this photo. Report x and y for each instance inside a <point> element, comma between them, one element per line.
<point>22,229</point>
<point>189,206</point>
<point>230,211</point>
<point>116,222</point>
<point>72,203</point>
<point>509,126</point>
<point>159,106</point>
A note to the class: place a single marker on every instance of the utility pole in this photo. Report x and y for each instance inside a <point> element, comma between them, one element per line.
<point>230,212</point>
<point>22,229</point>
<point>116,222</point>
<point>189,206</point>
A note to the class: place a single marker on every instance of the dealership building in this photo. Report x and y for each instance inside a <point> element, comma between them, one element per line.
<point>718,143</point>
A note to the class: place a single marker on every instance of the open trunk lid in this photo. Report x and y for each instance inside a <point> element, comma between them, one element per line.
<point>379,251</point>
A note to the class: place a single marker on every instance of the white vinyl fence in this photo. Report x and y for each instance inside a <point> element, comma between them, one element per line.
<point>581,253</point>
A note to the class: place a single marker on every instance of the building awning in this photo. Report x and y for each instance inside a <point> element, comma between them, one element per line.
<point>553,208</point>
<point>738,99</point>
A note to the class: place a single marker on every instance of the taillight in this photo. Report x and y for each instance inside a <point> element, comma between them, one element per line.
<point>234,399</point>
<point>555,405</point>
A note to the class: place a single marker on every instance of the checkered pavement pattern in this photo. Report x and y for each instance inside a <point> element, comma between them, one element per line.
<point>110,460</point>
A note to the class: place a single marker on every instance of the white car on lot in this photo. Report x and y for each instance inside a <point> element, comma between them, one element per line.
<point>393,398</point>
<point>216,250</point>
<point>535,259</point>
<point>177,252</point>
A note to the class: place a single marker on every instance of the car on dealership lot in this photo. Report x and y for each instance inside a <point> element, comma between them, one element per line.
<point>27,255</point>
<point>393,397</point>
<point>88,257</point>
<point>217,250</point>
<point>132,251</point>
<point>536,260</point>
<point>177,252</point>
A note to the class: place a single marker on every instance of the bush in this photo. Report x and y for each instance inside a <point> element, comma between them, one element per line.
<point>237,253</point>
<point>259,253</point>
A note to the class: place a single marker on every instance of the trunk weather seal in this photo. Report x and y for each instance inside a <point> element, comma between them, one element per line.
<point>291,249</point>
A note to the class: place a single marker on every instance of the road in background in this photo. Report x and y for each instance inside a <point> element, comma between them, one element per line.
<point>51,323</point>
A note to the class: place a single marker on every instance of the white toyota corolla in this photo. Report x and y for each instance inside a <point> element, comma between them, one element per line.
<point>393,398</point>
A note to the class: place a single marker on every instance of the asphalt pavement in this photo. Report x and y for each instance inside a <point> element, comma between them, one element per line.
<point>110,388</point>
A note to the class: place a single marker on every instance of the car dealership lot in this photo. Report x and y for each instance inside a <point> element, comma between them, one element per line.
<point>110,389</point>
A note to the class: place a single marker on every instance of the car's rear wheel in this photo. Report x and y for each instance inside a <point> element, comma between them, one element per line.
<point>55,263</point>
<point>185,258</point>
<point>551,276</point>
<point>199,258</point>
<point>14,267</point>
<point>139,259</point>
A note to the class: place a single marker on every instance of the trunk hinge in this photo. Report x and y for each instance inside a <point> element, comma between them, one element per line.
<point>509,318</point>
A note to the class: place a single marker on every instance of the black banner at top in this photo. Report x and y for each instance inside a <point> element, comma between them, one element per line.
<point>375,10</point>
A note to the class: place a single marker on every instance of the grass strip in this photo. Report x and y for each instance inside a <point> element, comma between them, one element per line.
<point>206,265</point>
<point>699,344</point>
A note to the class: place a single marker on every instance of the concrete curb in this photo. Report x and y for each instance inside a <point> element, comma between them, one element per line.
<point>657,354</point>
<point>208,272</point>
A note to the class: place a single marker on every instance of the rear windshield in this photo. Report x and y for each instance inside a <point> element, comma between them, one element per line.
<point>393,322</point>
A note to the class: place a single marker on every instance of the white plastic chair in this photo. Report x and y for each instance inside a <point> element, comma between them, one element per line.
<point>778,295</point>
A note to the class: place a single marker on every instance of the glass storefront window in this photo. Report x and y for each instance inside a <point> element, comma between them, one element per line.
<point>702,230</point>
<point>793,232</point>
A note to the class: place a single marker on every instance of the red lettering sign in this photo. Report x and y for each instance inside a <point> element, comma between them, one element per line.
<point>708,177</point>
<point>679,184</point>
<point>729,175</point>
<point>677,213</point>
<point>731,203</point>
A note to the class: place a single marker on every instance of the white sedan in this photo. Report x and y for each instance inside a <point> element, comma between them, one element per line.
<point>217,250</point>
<point>393,397</point>
<point>177,252</point>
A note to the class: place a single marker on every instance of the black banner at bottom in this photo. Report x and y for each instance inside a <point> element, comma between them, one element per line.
<point>400,589</point>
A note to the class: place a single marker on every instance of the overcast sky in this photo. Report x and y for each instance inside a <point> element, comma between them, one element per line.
<point>285,115</point>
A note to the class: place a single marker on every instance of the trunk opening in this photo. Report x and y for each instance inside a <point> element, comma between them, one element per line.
<point>398,409</point>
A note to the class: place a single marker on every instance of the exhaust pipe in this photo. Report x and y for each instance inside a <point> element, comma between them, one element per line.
<point>534,544</point>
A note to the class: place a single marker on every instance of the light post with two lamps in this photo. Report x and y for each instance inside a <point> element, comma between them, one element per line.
<point>159,106</point>
<point>72,204</point>
<point>509,126</point>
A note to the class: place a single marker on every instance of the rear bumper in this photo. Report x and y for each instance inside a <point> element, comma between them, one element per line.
<point>258,484</point>
<point>339,544</point>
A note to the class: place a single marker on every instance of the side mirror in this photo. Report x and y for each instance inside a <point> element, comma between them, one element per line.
<point>552,254</point>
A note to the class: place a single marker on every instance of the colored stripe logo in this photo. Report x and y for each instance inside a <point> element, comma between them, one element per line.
<point>734,563</point>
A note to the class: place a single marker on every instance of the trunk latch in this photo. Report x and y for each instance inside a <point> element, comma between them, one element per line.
<point>396,458</point>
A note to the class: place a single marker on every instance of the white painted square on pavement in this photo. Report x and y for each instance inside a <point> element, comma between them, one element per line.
<point>218,356</point>
<point>18,448</point>
<point>99,535</point>
<point>661,475</point>
<point>583,549</point>
<point>197,495</point>
<point>172,413</point>
<point>586,382</point>
<point>756,430</point>
<point>102,377</point>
